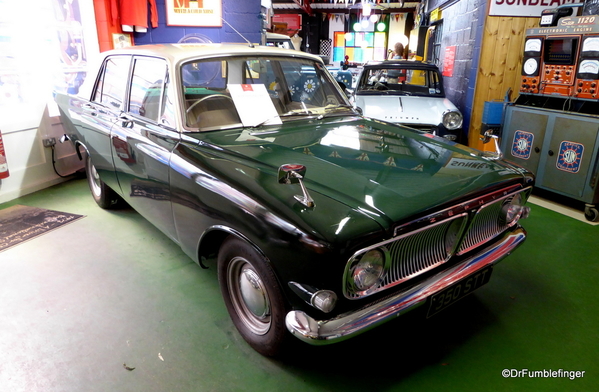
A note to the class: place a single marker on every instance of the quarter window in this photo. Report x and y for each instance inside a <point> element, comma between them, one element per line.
<point>110,90</point>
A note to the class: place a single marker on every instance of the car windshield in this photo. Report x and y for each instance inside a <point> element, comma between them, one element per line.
<point>253,91</point>
<point>400,81</point>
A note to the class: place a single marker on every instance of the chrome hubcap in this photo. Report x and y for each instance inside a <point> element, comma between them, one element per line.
<point>94,179</point>
<point>253,293</point>
<point>249,296</point>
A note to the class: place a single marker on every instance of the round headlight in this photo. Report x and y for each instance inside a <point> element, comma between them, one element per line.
<point>452,120</point>
<point>369,270</point>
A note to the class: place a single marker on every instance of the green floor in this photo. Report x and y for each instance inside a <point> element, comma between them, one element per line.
<point>109,289</point>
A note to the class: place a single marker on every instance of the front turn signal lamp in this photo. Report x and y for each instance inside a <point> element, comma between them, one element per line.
<point>513,210</point>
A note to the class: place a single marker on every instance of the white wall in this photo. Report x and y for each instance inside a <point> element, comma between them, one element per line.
<point>30,69</point>
<point>397,27</point>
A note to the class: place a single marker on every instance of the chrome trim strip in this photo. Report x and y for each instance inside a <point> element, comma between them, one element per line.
<point>321,332</point>
<point>463,207</point>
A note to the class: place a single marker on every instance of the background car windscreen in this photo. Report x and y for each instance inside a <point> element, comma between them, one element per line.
<point>401,80</point>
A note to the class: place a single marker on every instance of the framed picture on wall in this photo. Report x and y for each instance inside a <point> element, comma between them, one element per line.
<point>194,13</point>
<point>120,41</point>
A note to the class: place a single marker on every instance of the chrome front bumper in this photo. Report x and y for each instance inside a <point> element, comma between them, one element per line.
<point>344,326</point>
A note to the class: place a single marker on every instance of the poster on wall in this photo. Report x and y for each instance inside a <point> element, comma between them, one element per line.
<point>449,61</point>
<point>531,8</point>
<point>205,13</point>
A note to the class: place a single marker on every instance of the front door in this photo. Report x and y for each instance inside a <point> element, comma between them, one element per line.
<point>142,142</point>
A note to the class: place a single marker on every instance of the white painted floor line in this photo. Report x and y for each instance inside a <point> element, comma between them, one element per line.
<point>559,208</point>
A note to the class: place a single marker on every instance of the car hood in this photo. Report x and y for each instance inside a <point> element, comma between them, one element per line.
<point>386,172</point>
<point>405,109</point>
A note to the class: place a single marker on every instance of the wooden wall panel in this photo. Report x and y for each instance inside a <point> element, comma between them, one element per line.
<point>499,67</point>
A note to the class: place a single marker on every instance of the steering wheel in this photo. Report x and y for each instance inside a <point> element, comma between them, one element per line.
<point>380,86</point>
<point>193,105</point>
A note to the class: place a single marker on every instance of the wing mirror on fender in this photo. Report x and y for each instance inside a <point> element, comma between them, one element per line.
<point>294,174</point>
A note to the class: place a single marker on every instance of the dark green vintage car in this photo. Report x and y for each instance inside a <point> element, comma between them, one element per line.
<point>323,223</point>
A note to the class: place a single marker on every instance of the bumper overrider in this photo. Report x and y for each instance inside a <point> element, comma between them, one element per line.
<point>344,326</point>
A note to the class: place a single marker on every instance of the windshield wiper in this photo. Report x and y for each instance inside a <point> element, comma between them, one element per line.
<point>286,114</point>
<point>331,109</point>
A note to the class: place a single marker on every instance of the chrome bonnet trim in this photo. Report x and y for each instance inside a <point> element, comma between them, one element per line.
<point>322,332</point>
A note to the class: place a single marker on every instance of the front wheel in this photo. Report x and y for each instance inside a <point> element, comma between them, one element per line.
<point>103,195</point>
<point>253,296</point>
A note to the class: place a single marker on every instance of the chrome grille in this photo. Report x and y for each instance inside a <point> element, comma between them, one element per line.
<point>485,225</point>
<point>414,254</point>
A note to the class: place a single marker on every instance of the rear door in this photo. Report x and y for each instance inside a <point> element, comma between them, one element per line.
<point>102,112</point>
<point>142,141</point>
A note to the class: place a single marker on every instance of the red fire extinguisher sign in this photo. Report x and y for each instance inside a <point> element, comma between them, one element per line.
<point>3,164</point>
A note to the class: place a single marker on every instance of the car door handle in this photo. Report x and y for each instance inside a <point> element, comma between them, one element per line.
<point>91,108</point>
<point>126,122</point>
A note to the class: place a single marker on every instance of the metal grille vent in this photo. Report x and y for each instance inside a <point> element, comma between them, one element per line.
<point>417,253</point>
<point>485,225</point>
<point>414,253</point>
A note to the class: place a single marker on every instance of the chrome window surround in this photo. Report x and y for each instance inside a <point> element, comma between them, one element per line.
<point>413,251</point>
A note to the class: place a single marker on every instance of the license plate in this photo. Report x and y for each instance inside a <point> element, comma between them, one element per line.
<point>458,290</point>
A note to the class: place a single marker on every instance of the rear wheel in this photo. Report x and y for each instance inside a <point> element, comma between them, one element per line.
<point>253,296</point>
<point>102,194</point>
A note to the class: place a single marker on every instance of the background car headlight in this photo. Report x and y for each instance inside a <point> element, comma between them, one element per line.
<point>452,120</point>
<point>369,270</point>
<point>514,210</point>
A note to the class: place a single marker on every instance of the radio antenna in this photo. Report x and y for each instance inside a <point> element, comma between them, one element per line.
<point>245,39</point>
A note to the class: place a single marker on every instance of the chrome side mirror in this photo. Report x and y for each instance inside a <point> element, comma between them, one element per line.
<point>294,174</point>
<point>486,138</point>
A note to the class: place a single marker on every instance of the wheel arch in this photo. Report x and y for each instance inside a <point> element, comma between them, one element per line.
<point>78,147</point>
<point>212,239</point>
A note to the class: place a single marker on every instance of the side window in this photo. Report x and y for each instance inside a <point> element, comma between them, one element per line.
<point>147,87</point>
<point>436,82</point>
<point>110,90</point>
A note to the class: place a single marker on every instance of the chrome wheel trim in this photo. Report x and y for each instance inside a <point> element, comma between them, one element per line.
<point>93,178</point>
<point>248,296</point>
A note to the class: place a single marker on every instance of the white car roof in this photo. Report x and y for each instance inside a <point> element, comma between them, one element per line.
<point>176,53</point>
